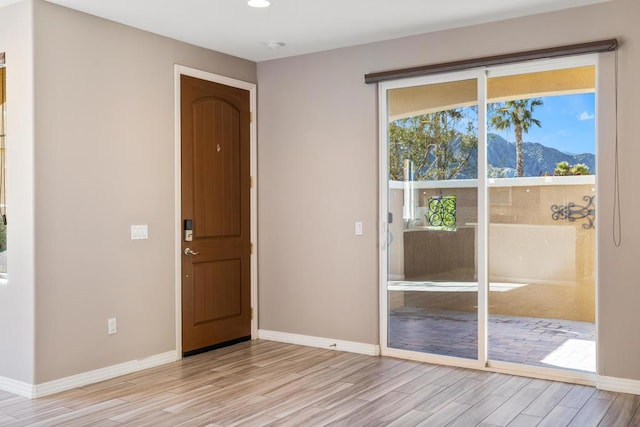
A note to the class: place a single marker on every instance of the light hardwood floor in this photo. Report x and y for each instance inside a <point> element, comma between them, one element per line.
<point>266,383</point>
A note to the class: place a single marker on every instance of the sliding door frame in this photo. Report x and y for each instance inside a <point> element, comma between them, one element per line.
<point>383,88</point>
<point>481,76</point>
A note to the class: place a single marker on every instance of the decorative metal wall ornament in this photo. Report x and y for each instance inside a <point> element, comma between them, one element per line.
<point>441,213</point>
<point>573,212</point>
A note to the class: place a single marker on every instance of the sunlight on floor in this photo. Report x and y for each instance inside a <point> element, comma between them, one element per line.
<point>574,354</point>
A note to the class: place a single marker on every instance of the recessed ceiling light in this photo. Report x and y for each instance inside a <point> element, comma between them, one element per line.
<point>258,3</point>
<point>274,44</point>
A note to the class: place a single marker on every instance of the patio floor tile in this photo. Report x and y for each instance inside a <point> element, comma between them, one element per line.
<point>551,343</point>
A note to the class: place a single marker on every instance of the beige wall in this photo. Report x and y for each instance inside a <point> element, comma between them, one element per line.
<point>318,173</point>
<point>104,156</point>
<point>16,297</point>
<point>105,160</point>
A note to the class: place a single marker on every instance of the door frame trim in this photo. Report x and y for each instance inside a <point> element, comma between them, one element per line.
<point>253,154</point>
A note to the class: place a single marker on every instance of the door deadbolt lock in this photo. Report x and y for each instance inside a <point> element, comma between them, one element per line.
<point>188,230</point>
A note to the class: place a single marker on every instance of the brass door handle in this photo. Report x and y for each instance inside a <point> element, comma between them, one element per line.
<point>188,251</point>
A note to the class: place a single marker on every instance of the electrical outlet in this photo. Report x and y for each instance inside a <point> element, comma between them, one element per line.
<point>113,327</point>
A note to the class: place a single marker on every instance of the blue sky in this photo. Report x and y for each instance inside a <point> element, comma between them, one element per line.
<point>568,124</point>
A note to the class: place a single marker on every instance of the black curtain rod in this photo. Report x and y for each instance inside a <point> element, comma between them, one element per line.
<point>554,52</point>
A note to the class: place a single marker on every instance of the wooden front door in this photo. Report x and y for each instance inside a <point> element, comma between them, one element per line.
<point>216,300</point>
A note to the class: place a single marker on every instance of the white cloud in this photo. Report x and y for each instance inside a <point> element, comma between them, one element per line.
<point>586,116</point>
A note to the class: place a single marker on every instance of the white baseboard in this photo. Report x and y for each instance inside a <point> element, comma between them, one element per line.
<point>327,343</point>
<point>16,387</point>
<point>56,386</point>
<point>618,385</point>
<point>102,374</point>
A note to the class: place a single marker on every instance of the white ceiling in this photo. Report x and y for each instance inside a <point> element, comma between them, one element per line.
<point>305,26</point>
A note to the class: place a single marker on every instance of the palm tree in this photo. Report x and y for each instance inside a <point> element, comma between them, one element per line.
<point>519,115</point>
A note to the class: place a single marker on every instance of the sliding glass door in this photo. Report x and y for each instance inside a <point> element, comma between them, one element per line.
<point>542,190</point>
<point>487,216</point>
<point>432,185</point>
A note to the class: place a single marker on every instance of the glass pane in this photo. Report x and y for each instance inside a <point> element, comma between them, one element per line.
<point>541,170</point>
<point>432,184</point>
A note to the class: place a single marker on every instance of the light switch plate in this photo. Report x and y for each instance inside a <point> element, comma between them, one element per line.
<point>112,326</point>
<point>358,228</point>
<point>139,232</point>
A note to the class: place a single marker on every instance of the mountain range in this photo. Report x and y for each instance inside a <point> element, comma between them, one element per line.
<point>539,159</point>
